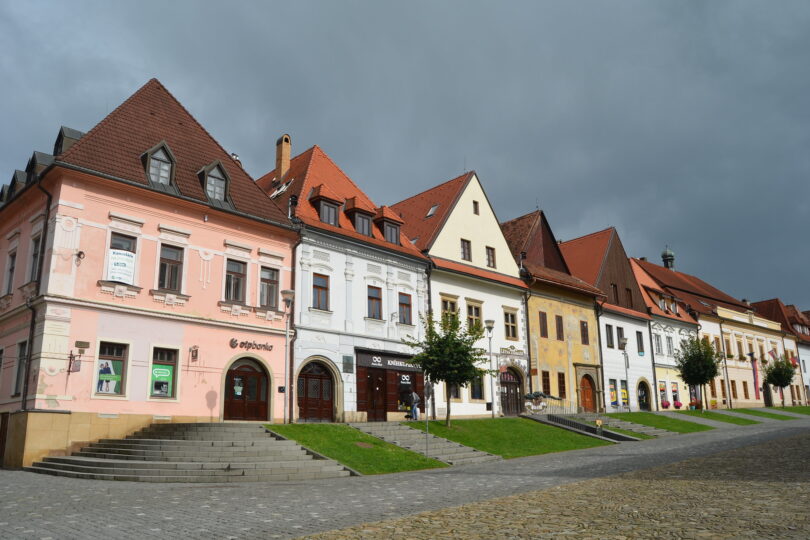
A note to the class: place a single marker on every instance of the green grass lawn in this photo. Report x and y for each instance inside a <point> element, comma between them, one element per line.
<point>355,449</point>
<point>800,409</point>
<point>765,414</point>
<point>509,437</point>
<point>709,415</point>
<point>661,422</point>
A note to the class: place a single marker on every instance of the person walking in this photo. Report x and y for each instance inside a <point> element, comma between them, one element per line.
<point>415,405</point>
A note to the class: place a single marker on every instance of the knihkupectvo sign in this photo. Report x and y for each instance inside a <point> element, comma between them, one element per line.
<point>250,345</point>
<point>121,266</point>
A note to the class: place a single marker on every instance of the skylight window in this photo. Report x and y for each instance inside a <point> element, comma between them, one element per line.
<point>432,210</point>
<point>281,189</point>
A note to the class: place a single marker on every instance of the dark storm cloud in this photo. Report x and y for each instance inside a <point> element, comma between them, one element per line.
<point>681,123</point>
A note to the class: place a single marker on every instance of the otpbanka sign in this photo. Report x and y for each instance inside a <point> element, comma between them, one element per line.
<point>250,345</point>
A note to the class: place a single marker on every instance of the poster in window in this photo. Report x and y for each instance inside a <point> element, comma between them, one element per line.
<point>675,395</point>
<point>162,379</point>
<point>662,390</point>
<point>121,266</point>
<point>625,397</point>
<point>109,377</point>
<point>614,399</point>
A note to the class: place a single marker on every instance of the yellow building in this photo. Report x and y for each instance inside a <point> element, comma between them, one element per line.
<point>563,339</point>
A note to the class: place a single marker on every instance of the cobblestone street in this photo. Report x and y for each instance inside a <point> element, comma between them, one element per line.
<point>746,481</point>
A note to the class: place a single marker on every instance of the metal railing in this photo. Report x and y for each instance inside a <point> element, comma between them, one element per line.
<point>551,406</point>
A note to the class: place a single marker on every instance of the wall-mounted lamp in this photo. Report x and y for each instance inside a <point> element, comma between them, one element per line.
<point>287,296</point>
<point>79,257</point>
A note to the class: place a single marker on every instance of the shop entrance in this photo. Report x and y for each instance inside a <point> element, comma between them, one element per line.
<point>316,394</point>
<point>376,395</point>
<point>587,394</point>
<point>246,388</point>
<point>510,393</point>
<point>643,395</point>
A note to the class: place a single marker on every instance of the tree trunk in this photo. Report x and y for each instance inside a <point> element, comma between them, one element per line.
<point>447,418</point>
<point>782,393</point>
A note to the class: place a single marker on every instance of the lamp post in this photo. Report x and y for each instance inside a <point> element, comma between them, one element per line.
<point>623,347</point>
<point>489,324</point>
<point>287,296</point>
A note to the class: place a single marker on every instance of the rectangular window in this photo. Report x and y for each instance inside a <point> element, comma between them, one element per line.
<point>475,207</point>
<point>112,366</point>
<point>19,376</point>
<point>734,389</point>
<point>121,258</point>
<point>491,257</point>
<point>362,224</point>
<point>740,351</point>
<point>717,344</point>
<point>235,276</point>
<point>620,337</point>
<point>455,391</point>
<point>560,331</point>
<point>670,349</point>
<point>473,315</point>
<point>170,272</point>
<point>723,388</point>
<point>391,232</point>
<point>609,336</point>
<point>543,324</point>
<point>35,246</point>
<point>268,291</point>
<point>477,388</point>
<point>122,242</point>
<point>546,382</point>
<point>12,262</point>
<point>374,302</point>
<point>640,341</point>
<point>164,371</point>
<point>448,307</point>
<point>561,384</point>
<point>713,388</point>
<point>614,291</point>
<point>727,343</point>
<point>628,294</point>
<point>583,331</point>
<point>510,324</point>
<point>662,390</point>
<point>329,213</point>
<point>625,394</point>
<point>320,292</point>
<point>466,250</point>
<point>405,314</point>
<point>745,389</point>
<point>657,342</point>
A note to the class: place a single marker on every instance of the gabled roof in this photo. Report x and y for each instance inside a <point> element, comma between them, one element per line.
<point>314,173</point>
<point>414,210</point>
<point>648,285</point>
<point>532,234</point>
<point>586,254</point>
<point>556,278</point>
<point>115,146</point>
<point>775,310</point>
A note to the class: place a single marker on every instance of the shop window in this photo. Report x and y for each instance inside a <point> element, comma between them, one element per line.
<point>625,393</point>
<point>676,396</point>
<point>320,292</point>
<point>510,325</point>
<point>170,273</point>
<point>112,366</point>
<point>477,388</point>
<point>662,391</point>
<point>235,277</point>
<point>374,303</point>
<point>164,373</point>
<point>405,311</point>
<point>19,376</point>
<point>614,398</point>
<point>543,324</point>
<point>268,290</point>
<point>609,336</point>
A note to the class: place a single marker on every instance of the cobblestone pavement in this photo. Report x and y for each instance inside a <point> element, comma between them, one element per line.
<point>40,506</point>
<point>751,492</point>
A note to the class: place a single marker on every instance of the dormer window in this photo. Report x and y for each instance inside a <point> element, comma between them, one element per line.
<point>662,303</point>
<point>160,167</point>
<point>432,210</point>
<point>362,223</point>
<point>391,231</point>
<point>215,184</point>
<point>328,213</point>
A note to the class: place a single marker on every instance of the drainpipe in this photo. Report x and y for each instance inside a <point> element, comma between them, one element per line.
<point>725,366</point>
<point>597,307</point>
<point>428,270</point>
<point>655,389</point>
<point>43,242</point>
<point>299,227</point>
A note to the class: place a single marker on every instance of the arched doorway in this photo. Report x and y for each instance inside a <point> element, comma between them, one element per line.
<point>510,392</point>
<point>587,394</point>
<point>315,394</point>
<point>643,395</point>
<point>246,387</point>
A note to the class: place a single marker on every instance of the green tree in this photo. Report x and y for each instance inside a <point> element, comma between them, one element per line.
<point>448,353</point>
<point>697,362</point>
<point>780,373</point>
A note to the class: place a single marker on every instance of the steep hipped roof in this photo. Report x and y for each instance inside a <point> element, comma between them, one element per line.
<point>586,254</point>
<point>775,310</point>
<point>648,285</point>
<point>414,210</point>
<point>313,173</point>
<point>115,147</point>
<point>532,234</point>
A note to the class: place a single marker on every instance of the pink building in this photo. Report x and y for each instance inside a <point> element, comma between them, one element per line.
<point>154,268</point>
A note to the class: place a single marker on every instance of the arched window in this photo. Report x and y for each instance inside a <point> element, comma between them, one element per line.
<point>160,167</point>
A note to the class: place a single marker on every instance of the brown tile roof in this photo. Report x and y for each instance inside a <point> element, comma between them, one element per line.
<point>648,284</point>
<point>625,311</point>
<point>115,145</point>
<point>414,210</point>
<point>585,255</point>
<point>477,272</point>
<point>560,279</point>
<point>518,231</point>
<point>314,170</point>
<point>775,310</point>
<point>532,234</point>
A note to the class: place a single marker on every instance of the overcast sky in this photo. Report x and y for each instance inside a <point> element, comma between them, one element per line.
<point>680,123</point>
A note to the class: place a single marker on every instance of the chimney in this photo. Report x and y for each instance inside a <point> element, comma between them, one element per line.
<point>643,259</point>
<point>668,256</point>
<point>235,157</point>
<point>282,156</point>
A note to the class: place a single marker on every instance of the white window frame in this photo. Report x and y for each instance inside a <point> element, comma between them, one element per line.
<point>248,272</point>
<point>126,231</point>
<point>8,278</point>
<point>177,373</point>
<point>259,286</point>
<point>670,346</point>
<point>127,370</point>
<point>659,347</point>
<point>182,247</point>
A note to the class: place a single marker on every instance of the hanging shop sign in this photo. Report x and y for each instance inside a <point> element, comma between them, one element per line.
<point>250,345</point>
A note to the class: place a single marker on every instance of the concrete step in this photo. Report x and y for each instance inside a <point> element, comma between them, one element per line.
<point>179,443</point>
<point>271,477</point>
<point>76,461</point>
<point>192,458</point>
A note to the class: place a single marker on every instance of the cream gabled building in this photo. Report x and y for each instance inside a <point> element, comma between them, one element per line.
<point>472,272</point>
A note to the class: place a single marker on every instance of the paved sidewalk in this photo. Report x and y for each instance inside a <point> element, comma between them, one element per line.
<point>697,420</point>
<point>40,506</point>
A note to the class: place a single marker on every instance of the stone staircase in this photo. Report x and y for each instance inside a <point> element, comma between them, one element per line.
<point>193,453</point>
<point>609,422</point>
<point>440,449</point>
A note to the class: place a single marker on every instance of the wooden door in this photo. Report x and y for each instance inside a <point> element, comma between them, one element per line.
<point>376,388</point>
<point>587,394</point>
<point>315,394</point>
<point>510,393</point>
<point>246,394</point>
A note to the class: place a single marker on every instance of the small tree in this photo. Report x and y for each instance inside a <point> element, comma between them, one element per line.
<point>697,362</point>
<point>780,373</point>
<point>448,353</point>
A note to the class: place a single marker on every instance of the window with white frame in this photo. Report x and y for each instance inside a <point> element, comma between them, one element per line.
<point>163,377</point>
<point>121,258</point>
<point>657,342</point>
<point>160,167</point>
<point>11,263</point>
<point>670,348</point>
<point>170,272</point>
<point>235,278</point>
<point>34,265</point>
<point>268,293</point>
<point>215,184</point>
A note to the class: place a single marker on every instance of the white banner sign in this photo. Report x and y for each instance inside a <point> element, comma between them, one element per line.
<point>121,266</point>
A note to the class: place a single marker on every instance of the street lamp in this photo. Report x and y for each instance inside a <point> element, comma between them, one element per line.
<point>489,324</point>
<point>287,296</point>
<point>623,348</point>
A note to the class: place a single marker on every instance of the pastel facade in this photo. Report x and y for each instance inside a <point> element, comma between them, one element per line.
<point>160,292</point>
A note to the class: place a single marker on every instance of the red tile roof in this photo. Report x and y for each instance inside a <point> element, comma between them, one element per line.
<point>775,310</point>
<point>625,311</point>
<point>531,234</point>
<point>585,255</point>
<point>322,191</point>
<point>418,225</point>
<point>115,145</point>
<point>647,284</point>
<point>550,276</point>
<point>313,170</point>
<point>384,212</point>
<point>518,231</point>
<point>461,268</point>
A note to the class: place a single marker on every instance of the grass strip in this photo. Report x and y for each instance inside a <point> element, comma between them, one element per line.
<point>765,414</point>
<point>799,409</point>
<point>659,421</point>
<point>729,419</point>
<point>510,437</point>
<point>355,449</point>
